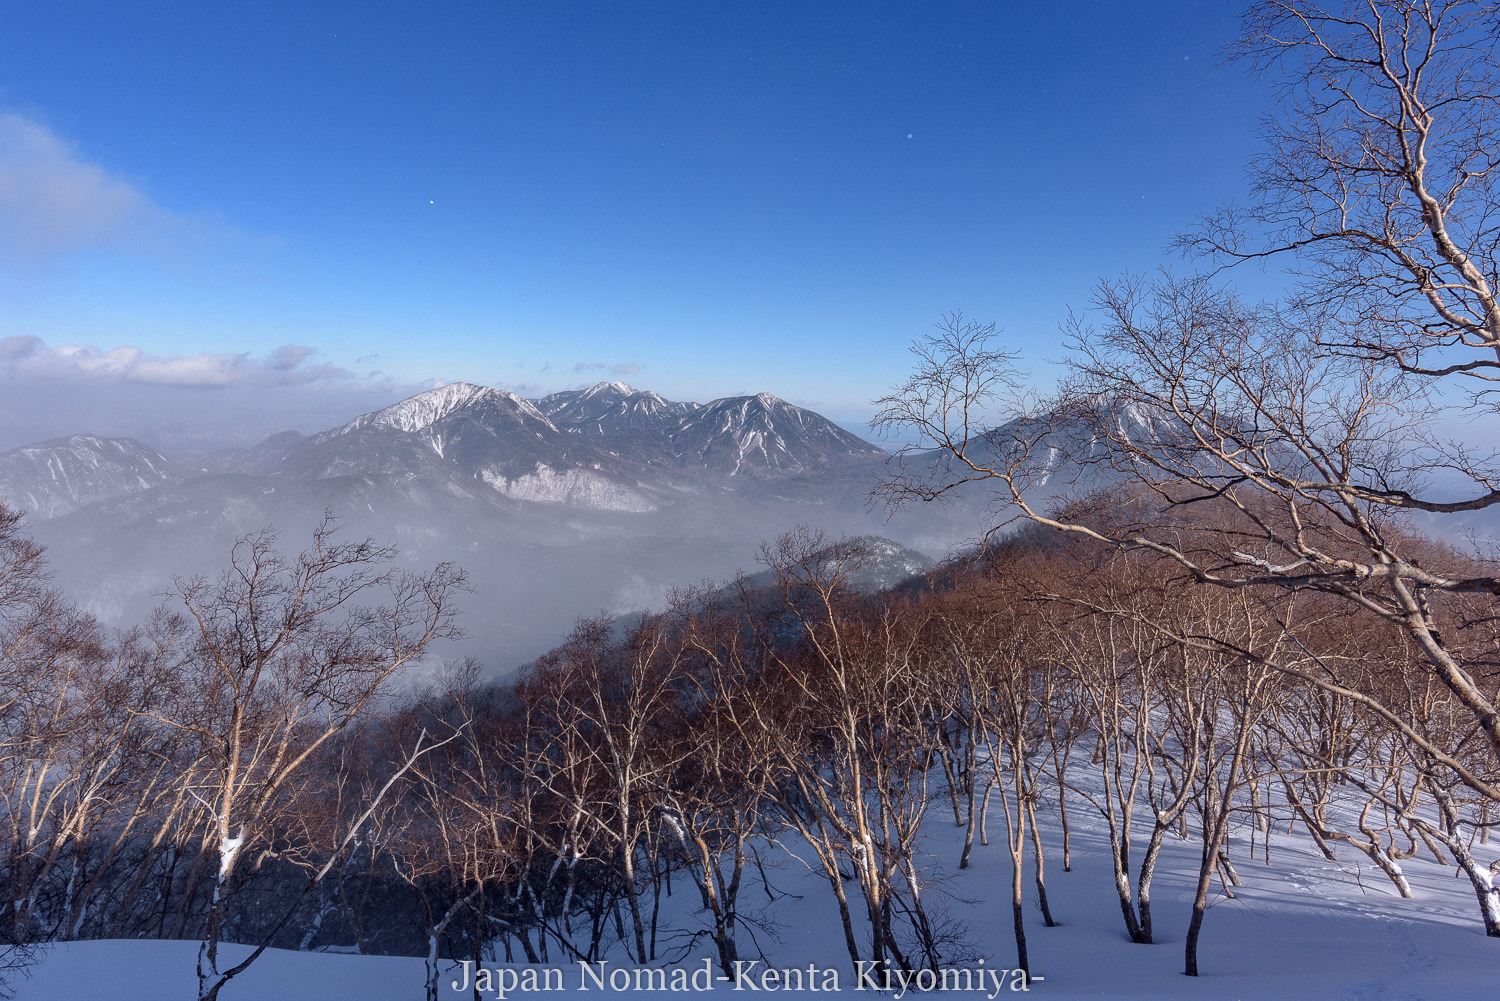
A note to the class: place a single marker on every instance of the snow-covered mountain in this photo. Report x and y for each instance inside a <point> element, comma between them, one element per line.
<point>55,477</point>
<point>420,412</point>
<point>474,438</point>
<point>616,413</point>
<point>608,447</point>
<point>756,435</point>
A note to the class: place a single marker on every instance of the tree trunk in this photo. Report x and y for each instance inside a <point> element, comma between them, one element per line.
<point>1482,879</point>
<point>1200,905</point>
<point>971,789</point>
<point>984,814</point>
<point>1143,880</point>
<point>849,940</point>
<point>1040,861</point>
<point>633,901</point>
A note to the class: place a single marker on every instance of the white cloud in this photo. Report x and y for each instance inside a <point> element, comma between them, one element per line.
<point>53,201</point>
<point>620,368</point>
<point>29,357</point>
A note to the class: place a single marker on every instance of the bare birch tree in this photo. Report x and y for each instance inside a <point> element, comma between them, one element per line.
<point>285,659</point>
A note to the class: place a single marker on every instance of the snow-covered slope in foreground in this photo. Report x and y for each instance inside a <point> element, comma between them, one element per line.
<point>1301,929</point>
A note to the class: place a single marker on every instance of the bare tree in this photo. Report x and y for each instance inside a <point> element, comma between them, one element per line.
<point>997,644</point>
<point>27,608</point>
<point>285,659</point>
<point>611,703</point>
<point>1117,667</point>
<point>843,703</point>
<point>726,783</point>
<point>1378,179</point>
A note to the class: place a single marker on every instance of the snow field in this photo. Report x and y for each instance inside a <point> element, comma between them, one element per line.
<point>1300,929</point>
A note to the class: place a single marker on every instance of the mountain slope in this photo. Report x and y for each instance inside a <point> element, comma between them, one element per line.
<point>469,435</point>
<point>615,411</point>
<point>55,477</point>
<point>759,435</point>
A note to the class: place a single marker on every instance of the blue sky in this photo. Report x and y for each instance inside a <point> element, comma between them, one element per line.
<point>317,205</point>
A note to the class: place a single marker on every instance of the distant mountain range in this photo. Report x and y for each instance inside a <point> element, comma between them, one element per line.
<point>599,498</point>
<point>608,447</point>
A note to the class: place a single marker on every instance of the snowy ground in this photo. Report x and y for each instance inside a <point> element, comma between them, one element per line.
<point>1301,929</point>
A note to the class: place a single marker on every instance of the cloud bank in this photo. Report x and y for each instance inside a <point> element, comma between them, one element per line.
<point>198,403</point>
<point>29,357</point>
<point>620,368</point>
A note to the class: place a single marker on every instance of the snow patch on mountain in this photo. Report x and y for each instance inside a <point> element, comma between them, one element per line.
<point>574,487</point>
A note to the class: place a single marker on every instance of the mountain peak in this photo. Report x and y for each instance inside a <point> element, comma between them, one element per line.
<point>420,411</point>
<point>764,434</point>
<point>623,388</point>
<point>604,389</point>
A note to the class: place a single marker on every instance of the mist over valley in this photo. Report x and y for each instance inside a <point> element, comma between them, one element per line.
<point>595,500</point>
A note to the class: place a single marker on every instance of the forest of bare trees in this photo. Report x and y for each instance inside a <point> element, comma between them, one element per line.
<point>1239,628</point>
<point>1281,452</point>
<point>204,777</point>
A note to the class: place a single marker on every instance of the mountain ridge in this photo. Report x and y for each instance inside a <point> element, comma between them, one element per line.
<point>607,446</point>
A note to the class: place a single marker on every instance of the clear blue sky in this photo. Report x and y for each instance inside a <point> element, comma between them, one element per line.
<point>700,198</point>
